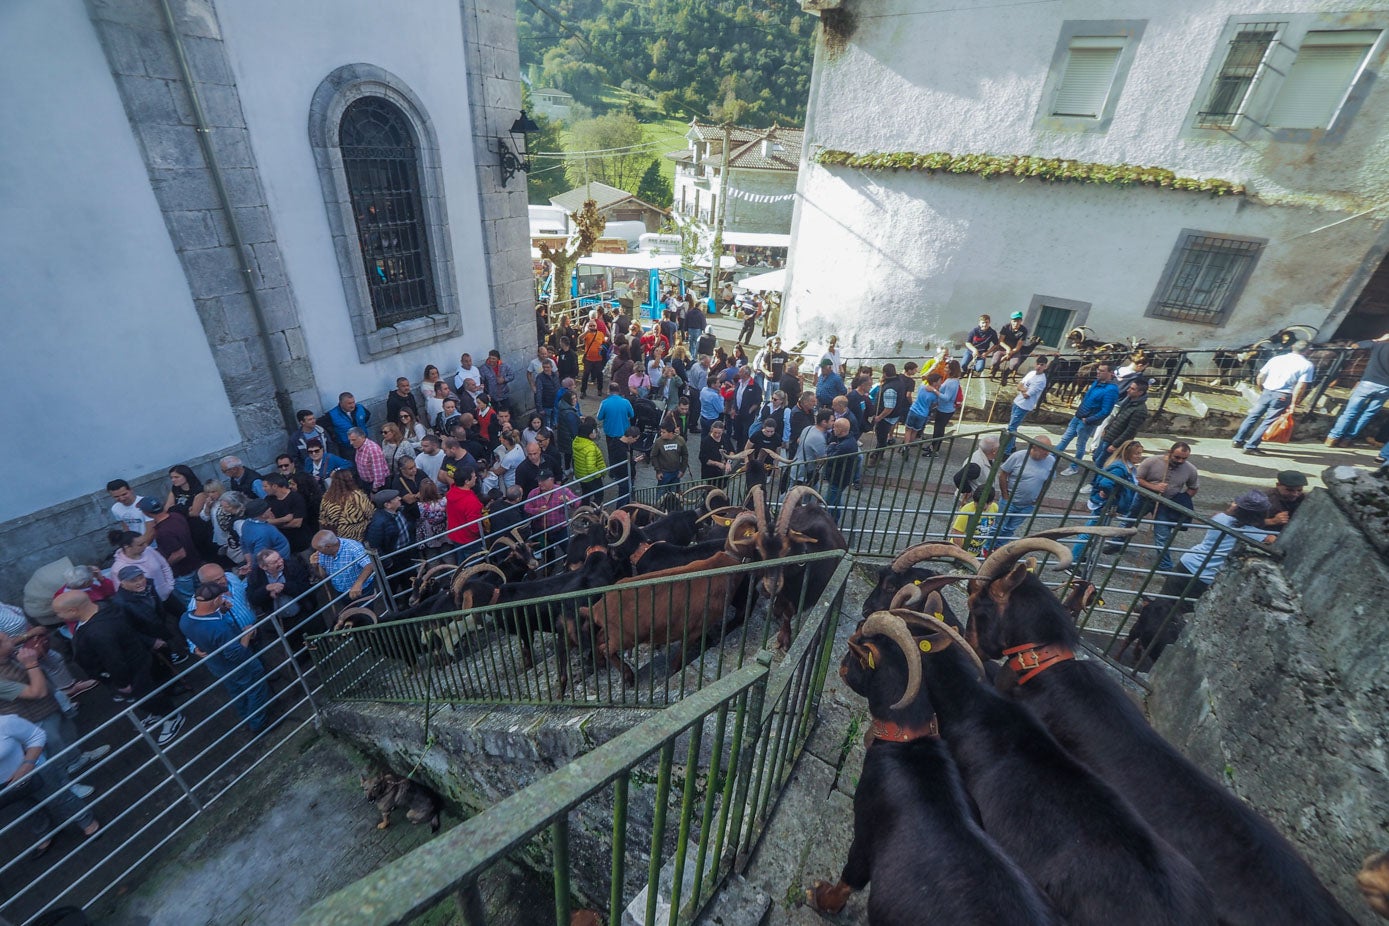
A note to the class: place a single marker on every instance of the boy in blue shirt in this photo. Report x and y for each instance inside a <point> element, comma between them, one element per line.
<point>922,407</point>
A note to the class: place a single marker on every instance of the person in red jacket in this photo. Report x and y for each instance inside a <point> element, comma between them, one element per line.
<point>463,512</point>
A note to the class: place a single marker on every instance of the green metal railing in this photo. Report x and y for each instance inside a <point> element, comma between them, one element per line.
<point>740,737</point>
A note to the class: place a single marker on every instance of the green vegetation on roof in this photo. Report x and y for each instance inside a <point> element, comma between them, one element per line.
<point>1025,167</point>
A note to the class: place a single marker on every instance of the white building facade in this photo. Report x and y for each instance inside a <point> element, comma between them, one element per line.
<point>762,169</point>
<point>213,222</point>
<point>1283,113</point>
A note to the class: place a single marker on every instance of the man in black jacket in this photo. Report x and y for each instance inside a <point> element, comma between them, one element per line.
<point>1129,415</point>
<point>276,585</point>
<point>747,403</point>
<point>106,648</point>
<point>148,616</point>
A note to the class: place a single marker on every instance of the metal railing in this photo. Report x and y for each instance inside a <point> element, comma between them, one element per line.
<point>475,655</point>
<point>740,738</point>
<point>147,793</point>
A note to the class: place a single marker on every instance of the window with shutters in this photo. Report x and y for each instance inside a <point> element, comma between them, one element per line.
<point>1322,75</point>
<point>1244,57</point>
<point>1089,76</point>
<point>1085,82</point>
<point>1204,277</point>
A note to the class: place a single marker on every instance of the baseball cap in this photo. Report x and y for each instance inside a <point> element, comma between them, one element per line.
<point>257,507</point>
<point>150,505</point>
<point>384,496</point>
<point>1292,479</point>
<point>1017,316</point>
<point>826,362</point>
<point>545,473</point>
<point>129,572</point>
<point>207,592</point>
<point>1253,502</point>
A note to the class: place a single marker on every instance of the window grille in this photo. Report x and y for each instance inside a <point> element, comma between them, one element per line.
<point>1231,86</point>
<point>1204,278</point>
<point>380,159</point>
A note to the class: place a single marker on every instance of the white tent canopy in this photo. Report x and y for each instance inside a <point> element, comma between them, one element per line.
<point>772,282</point>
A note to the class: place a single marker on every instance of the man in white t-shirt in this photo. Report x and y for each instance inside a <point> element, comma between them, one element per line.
<point>1029,394</point>
<point>1283,380</point>
<point>125,509</point>
<point>430,457</point>
<point>466,371</point>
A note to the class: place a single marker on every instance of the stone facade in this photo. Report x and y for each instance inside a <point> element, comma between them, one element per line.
<point>1290,657</point>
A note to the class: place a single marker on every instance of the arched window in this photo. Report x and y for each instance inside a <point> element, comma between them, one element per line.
<point>381,161</point>
<point>382,174</point>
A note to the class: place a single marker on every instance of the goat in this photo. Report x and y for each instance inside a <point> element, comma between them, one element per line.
<point>1082,842</point>
<point>915,836</point>
<point>1061,375</point>
<point>1158,625</point>
<point>679,611</point>
<point>904,571</point>
<point>787,589</point>
<point>1373,881</point>
<point>1255,875</point>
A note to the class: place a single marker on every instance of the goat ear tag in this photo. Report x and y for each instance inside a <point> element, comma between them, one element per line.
<point>871,663</point>
<point>925,646</point>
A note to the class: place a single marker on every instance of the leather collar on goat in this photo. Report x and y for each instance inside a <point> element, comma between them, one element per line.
<point>639,552</point>
<point>1032,659</point>
<point>891,732</point>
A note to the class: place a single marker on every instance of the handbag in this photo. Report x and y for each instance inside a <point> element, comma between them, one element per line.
<point>1281,431</point>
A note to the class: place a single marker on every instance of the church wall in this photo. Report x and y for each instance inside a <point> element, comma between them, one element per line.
<point>280,53</point>
<point>109,371</point>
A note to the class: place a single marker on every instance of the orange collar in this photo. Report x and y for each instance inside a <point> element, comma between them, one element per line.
<point>892,732</point>
<point>639,552</point>
<point>1032,659</point>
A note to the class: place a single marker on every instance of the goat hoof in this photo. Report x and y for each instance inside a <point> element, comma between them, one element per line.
<point>825,898</point>
<point>383,824</point>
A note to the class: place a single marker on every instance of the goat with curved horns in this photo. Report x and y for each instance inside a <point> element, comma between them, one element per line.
<point>1255,875</point>
<point>915,837</point>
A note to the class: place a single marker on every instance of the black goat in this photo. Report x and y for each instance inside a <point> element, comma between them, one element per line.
<point>1078,839</point>
<point>1255,875</point>
<point>905,571</point>
<point>915,836</point>
<point>1158,625</point>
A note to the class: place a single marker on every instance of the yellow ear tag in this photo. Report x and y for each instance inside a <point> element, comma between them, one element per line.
<point>925,646</point>
<point>939,616</point>
<point>870,660</point>
<point>916,582</point>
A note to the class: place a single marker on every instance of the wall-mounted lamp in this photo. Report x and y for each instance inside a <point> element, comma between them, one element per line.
<point>512,162</point>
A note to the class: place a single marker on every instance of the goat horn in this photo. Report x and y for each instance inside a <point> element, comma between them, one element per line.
<point>638,506</point>
<point>894,628</point>
<point>586,515</point>
<point>429,576</point>
<point>937,624</point>
<point>759,506</point>
<point>924,551</point>
<point>907,598</point>
<point>709,499</point>
<point>789,503</point>
<point>622,518</point>
<point>726,511</point>
<point>1002,559</point>
<point>1074,529</point>
<point>503,541</point>
<point>738,545</point>
<point>703,487</point>
<point>460,581</point>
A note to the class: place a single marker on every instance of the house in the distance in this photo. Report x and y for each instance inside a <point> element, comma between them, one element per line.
<point>617,206</point>
<point>552,103</point>
<point>1194,172</point>
<point>762,169</point>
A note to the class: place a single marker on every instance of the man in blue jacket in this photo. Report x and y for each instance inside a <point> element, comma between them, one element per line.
<point>616,414</point>
<point>343,417</point>
<point>1095,407</point>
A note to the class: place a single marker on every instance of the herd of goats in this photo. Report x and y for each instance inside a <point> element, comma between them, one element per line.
<point>1006,782</point>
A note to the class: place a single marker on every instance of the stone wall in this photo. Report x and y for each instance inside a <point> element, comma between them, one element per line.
<point>1278,685</point>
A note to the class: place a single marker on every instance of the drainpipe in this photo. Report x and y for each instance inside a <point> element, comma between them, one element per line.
<point>238,241</point>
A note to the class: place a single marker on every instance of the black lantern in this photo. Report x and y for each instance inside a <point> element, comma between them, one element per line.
<point>512,162</point>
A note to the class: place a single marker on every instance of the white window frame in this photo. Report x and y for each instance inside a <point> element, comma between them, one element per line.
<point>1363,40</point>
<point>1083,35</point>
<point>1207,118</point>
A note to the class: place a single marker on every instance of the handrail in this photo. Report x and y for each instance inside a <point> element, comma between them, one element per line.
<point>409,886</point>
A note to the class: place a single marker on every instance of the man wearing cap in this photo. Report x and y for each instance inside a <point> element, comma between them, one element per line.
<point>1197,568</point>
<point>1285,498</point>
<point>174,539</point>
<point>137,598</point>
<point>828,383</point>
<point>550,505</point>
<point>1012,339</point>
<point>388,530</point>
<point>257,534</point>
<point>226,650</point>
<point>1283,380</point>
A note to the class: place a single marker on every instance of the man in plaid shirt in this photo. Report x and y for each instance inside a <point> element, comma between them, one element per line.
<point>370,460</point>
<point>552,506</point>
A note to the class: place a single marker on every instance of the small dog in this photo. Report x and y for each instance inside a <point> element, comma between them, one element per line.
<point>389,791</point>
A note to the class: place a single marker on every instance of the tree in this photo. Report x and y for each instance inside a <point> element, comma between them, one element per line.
<point>655,188</point>
<point>588,228</point>
<point>546,177</point>
<point>619,136</point>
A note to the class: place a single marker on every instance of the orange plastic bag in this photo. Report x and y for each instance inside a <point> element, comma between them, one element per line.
<point>1281,431</point>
